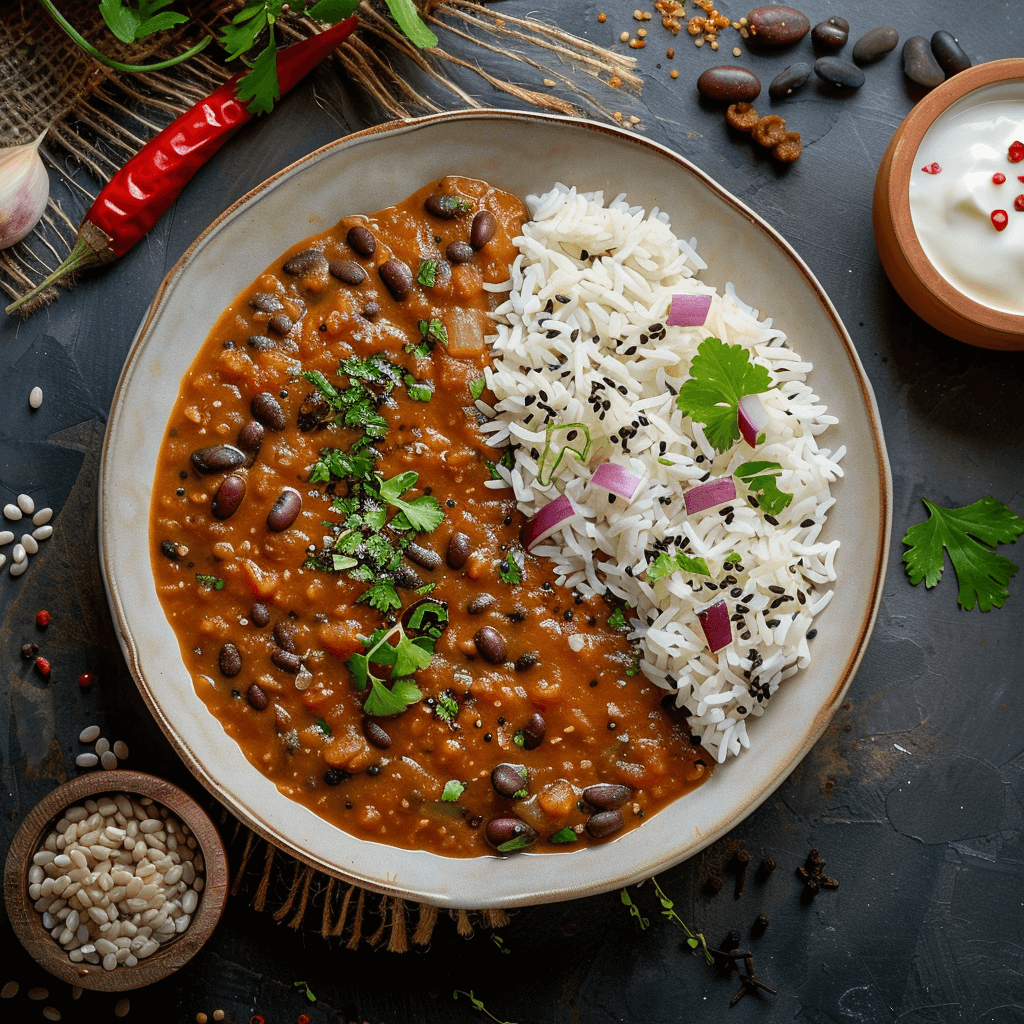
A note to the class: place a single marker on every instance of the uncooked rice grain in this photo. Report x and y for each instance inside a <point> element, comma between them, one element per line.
<point>606,359</point>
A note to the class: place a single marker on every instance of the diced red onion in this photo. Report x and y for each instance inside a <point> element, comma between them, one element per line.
<point>689,310</point>
<point>545,522</point>
<point>705,496</point>
<point>753,418</point>
<point>610,476</point>
<point>716,625</point>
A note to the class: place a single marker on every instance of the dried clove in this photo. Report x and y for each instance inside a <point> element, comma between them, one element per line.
<point>740,860</point>
<point>765,869</point>
<point>812,874</point>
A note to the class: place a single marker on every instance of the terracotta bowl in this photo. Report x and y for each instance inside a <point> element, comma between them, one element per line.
<point>914,276</point>
<point>28,922</point>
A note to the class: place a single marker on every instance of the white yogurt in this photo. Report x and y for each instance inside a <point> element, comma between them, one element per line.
<point>952,210</point>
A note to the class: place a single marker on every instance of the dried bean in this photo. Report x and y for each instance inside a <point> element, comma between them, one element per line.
<point>459,252</point>
<point>284,636</point>
<point>729,84</point>
<point>482,230</point>
<point>261,343</point>
<point>919,63</point>
<point>229,661</point>
<point>266,302</point>
<point>280,322</point>
<point>169,549</point>
<point>347,271</point>
<point>946,50</point>
<point>257,698</point>
<point>315,412</point>
<point>509,834</point>
<point>777,26</point>
<point>839,72</point>
<point>250,440</point>
<point>831,34</point>
<point>460,547</point>
<point>267,409</point>
<point>362,240</point>
<point>875,44</point>
<point>376,735</point>
<point>604,824</point>
<point>305,262</point>
<point>787,83</point>
<point>370,311</point>
<point>526,661</point>
<point>406,577</point>
<point>285,510</point>
<point>606,796</point>
<point>397,278</point>
<point>259,614</point>
<point>228,497</point>
<point>287,660</point>
<point>446,205</point>
<point>423,557</point>
<point>533,731</point>
<point>217,458</point>
<point>491,645</point>
<point>510,781</point>
<point>480,603</point>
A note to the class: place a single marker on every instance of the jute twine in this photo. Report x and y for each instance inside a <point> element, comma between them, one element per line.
<point>97,118</point>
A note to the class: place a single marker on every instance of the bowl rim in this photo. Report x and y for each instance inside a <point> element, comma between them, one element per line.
<point>905,145</point>
<point>27,921</point>
<point>650,863</point>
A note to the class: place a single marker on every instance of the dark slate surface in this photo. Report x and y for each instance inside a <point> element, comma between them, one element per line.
<point>914,793</point>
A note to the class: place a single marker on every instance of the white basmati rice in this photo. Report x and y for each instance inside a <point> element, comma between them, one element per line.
<point>581,339</point>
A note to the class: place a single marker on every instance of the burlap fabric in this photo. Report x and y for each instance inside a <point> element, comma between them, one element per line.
<point>96,118</point>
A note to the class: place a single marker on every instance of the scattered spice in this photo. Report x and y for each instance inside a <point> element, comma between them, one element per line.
<point>765,869</point>
<point>673,73</point>
<point>85,680</point>
<point>760,925</point>
<point>42,666</point>
<point>812,874</point>
<point>750,982</point>
<point>602,17</point>
<point>741,860</point>
<point>29,651</point>
<point>932,168</point>
<point>42,618</point>
<point>714,884</point>
<point>999,219</point>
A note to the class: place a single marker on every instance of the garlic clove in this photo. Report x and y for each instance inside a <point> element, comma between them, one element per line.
<point>24,189</point>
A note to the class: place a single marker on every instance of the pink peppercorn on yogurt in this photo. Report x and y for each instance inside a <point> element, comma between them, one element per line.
<point>967,195</point>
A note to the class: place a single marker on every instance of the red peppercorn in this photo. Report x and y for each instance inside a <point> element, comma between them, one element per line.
<point>42,618</point>
<point>85,680</point>
<point>1016,152</point>
<point>303,1018</point>
<point>256,1019</point>
<point>999,219</point>
<point>42,666</point>
<point>932,169</point>
<point>1018,203</point>
<point>998,178</point>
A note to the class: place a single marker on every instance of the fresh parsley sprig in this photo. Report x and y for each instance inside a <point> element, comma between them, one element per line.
<point>403,657</point>
<point>720,375</point>
<point>760,477</point>
<point>970,535</point>
<point>666,564</point>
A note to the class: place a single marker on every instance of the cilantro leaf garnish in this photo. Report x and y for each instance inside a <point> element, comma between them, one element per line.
<point>510,569</point>
<point>760,478</point>
<point>666,564</point>
<point>720,375</point>
<point>564,835</point>
<point>476,388</point>
<point>970,535</point>
<point>325,729</point>
<point>211,582</point>
<point>260,88</point>
<point>130,23</point>
<point>574,437</point>
<point>423,513</point>
<point>617,619</point>
<point>519,738</point>
<point>433,331</point>
<point>453,789</point>
<point>446,707</point>
<point>403,657</point>
<point>427,273</point>
<point>417,390</point>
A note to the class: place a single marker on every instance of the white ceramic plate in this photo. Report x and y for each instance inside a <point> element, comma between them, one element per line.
<point>521,153</point>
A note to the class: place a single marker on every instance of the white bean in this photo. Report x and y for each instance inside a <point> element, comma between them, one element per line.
<point>42,532</point>
<point>26,504</point>
<point>12,512</point>
<point>89,734</point>
<point>29,543</point>
<point>42,517</point>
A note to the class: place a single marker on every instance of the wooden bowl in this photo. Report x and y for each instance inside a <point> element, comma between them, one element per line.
<point>28,922</point>
<point>912,274</point>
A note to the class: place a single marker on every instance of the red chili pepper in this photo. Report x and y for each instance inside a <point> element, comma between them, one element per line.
<point>139,194</point>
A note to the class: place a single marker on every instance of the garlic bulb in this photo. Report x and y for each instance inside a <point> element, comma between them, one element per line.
<point>24,188</point>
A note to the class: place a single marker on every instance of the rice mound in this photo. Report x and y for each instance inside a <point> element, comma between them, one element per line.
<point>582,339</point>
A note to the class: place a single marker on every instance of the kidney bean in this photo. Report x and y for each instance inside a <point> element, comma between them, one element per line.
<point>285,509</point>
<point>261,343</point>
<point>459,252</point>
<point>480,603</point>
<point>446,205</point>
<point>875,43</point>
<point>831,34</point>
<point>482,229</point>
<point>376,735</point>
<point>280,322</point>
<point>250,440</point>
<point>169,549</point>
<point>787,83</point>
<point>606,796</point>
<point>305,262</point>
<point>777,26</point>
<point>460,547</point>
<point>406,577</point>
<point>217,458</point>
<point>423,557</point>
<point>604,824</point>
<point>259,614</point>
<point>284,636</point>
<point>257,698</point>
<point>266,302</point>
<point>949,54</point>
<point>729,84</point>
<point>503,831</point>
<point>361,239</point>
<point>228,497</point>
<point>229,661</point>
<point>533,731</point>
<point>267,409</point>
<point>508,780</point>
<point>397,278</point>
<point>370,311</point>
<point>347,271</point>
<point>288,660</point>
<point>919,63</point>
<point>491,645</point>
<point>839,72</point>
<point>526,661</point>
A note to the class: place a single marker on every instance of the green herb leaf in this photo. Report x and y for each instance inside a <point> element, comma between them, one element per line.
<point>564,835</point>
<point>258,88</point>
<point>321,724</point>
<point>423,513</point>
<point>408,20</point>
<point>446,707</point>
<point>666,564</point>
<point>510,569</point>
<point>970,535</point>
<point>617,619</point>
<point>381,595</point>
<point>721,375</point>
<point>519,738</point>
<point>519,843</point>
<point>476,388</point>
<point>306,990</point>
<point>131,22</point>
<point>634,910</point>
<point>569,440</point>
<point>333,11</point>
<point>760,478</point>
<point>427,273</point>
<point>417,390</point>
<point>383,702</point>
<point>212,582</point>
<point>433,331</point>
<point>453,789</point>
